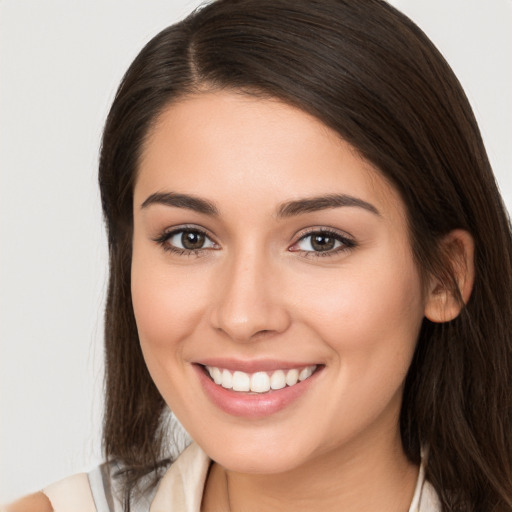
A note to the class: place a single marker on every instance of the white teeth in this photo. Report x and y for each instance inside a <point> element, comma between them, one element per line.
<point>305,373</point>
<point>217,375</point>
<point>292,377</point>
<point>241,381</point>
<point>259,382</point>
<point>278,380</point>
<point>227,379</point>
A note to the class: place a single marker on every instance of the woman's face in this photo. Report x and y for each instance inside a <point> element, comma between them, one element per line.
<point>265,248</point>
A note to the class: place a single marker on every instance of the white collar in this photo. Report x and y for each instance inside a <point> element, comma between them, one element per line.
<point>181,488</point>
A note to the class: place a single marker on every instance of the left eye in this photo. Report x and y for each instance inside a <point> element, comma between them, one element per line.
<point>321,242</point>
<point>190,240</point>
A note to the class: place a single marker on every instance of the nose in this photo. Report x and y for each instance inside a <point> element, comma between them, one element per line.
<point>248,302</point>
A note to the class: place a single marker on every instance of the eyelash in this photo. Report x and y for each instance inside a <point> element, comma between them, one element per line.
<point>346,243</point>
<point>163,241</point>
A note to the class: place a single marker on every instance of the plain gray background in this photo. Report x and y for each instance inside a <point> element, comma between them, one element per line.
<point>60,63</point>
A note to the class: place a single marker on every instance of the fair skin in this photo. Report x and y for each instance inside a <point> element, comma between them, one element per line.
<point>256,290</point>
<point>273,280</point>
<point>37,502</point>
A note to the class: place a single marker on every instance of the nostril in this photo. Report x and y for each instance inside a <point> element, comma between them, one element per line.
<point>263,332</point>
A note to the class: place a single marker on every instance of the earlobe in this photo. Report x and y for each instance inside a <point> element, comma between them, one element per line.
<point>443,303</point>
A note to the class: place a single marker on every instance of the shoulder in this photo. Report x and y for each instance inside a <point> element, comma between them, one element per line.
<point>37,502</point>
<point>101,489</point>
<point>71,493</point>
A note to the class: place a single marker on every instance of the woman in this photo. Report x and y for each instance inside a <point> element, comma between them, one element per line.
<point>310,264</point>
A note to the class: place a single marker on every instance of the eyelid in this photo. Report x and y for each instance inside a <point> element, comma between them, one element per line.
<point>346,240</point>
<point>168,233</point>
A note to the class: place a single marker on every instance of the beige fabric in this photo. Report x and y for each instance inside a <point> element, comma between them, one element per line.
<point>73,494</point>
<point>425,497</point>
<point>429,501</point>
<point>181,488</point>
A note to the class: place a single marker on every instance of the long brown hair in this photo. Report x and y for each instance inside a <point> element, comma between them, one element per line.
<point>368,72</point>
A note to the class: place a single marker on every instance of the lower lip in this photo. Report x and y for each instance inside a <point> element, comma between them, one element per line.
<point>249,405</point>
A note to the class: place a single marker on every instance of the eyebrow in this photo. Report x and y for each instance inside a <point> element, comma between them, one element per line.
<point>182,201</point>
<point>288,209</point>
<point>315,204</point>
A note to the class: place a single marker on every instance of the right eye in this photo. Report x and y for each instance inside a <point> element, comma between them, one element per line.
<point>186,240</point>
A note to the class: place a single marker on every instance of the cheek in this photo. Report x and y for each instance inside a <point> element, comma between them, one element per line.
<point>366,308</point>
<point>167,302</point>
<point>369,317</point>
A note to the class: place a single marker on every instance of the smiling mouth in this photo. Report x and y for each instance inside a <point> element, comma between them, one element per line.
<point>259,382</point>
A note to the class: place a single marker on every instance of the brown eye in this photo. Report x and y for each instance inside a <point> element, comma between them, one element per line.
<point>186,240</point>
<point>321,242</point>
<point>325,242</point>
<point>192,240</point>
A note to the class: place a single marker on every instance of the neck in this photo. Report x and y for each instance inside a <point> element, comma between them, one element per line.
<point>364,476</point>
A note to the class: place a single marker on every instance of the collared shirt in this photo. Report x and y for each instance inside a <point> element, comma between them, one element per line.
<point>180,490</point>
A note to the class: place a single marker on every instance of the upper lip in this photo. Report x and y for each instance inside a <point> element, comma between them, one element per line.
<point>253,366</point>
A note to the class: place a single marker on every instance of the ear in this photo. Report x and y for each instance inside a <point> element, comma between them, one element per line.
<point>442,305</point>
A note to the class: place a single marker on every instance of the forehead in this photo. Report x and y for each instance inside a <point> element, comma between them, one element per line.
<point>247,150</point>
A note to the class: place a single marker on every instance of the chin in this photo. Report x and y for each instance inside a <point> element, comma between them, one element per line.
<point>260,453</point>
<point>259,464</point>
